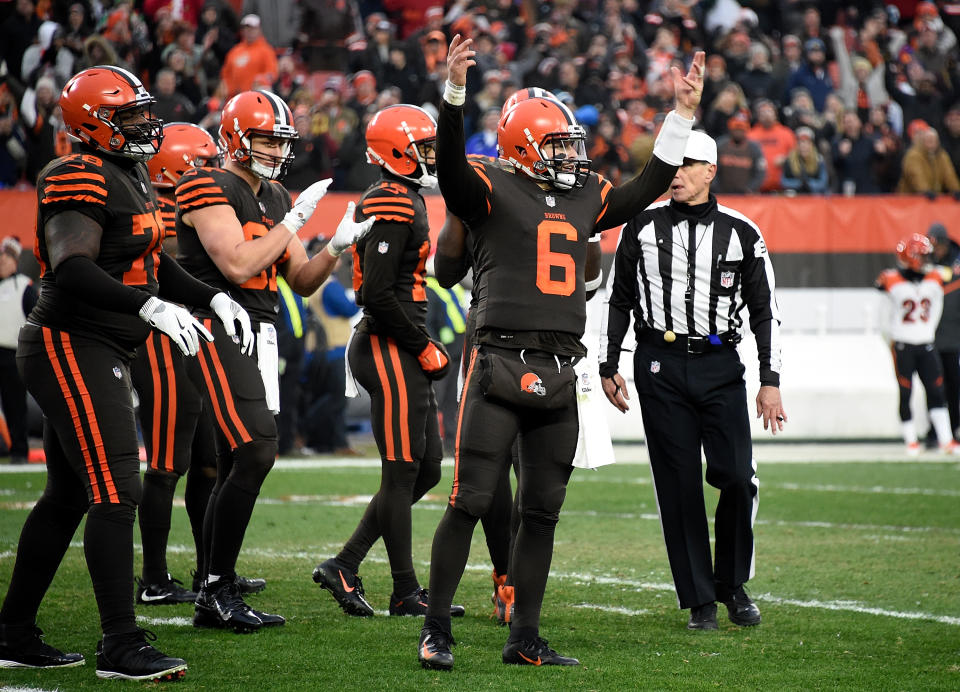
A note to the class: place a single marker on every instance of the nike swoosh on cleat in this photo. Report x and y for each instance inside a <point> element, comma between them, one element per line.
<point>145,597</point>
<point>425,652</point>
<point>343,581</point>
<point>530,660</point>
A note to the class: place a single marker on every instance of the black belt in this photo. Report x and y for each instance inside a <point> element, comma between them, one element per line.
<point>694,345</point>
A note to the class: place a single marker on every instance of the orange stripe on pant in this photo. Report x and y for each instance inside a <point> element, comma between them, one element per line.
<point>387,397</point>
<point>84,395</point>
<point>225,389</point>
<point>402,396</point>
<point>214,399</point>
<point>456,451</point>
<point>164,402</point>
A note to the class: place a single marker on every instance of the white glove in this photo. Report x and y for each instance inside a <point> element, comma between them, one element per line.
<point>305,204</point>
<point>349,231</point>
<point>176,322</point>
<point>229,311</point>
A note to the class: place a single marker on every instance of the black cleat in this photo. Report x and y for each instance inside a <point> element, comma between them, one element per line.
<point>129,657</point>
<point>416,604</point>
<point>346,587</point>
<point>535,652</point>
<point>433,650</point>
<point>164,593</point>
<point>23,647</point>
<point>249,585</point>
<point>741,609</point>
<point>703,617</point>
<point>220,606</point>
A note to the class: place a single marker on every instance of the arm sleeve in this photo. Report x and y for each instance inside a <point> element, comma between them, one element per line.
<point>180,287</point>
<point>82,278</point>
<point>29,298</point>
<point>464,192</point>
<point>621,290</point>
<point>758,293</point>
<point>380,271</point>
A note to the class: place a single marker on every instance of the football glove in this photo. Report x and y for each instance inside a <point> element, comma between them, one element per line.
<point>349,231</point>
<point>434,360</point>
<point>304,206</point>
<point>229,311</point>
<point>176,322</point>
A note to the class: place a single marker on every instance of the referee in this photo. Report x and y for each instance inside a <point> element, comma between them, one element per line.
<point>686,268</point>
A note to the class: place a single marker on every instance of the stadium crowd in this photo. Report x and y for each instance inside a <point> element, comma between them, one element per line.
<point>853,98</point>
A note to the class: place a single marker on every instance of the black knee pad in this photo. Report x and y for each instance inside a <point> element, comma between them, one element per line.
<point>117,514</point>
<point>161,479</point>
<point>251,464</point>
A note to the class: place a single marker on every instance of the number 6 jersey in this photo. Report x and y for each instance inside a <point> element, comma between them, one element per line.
<point>129,245</point>
<point>916,304</point>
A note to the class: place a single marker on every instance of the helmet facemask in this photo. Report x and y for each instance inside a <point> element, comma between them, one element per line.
<point>267,166</point>
<point>421,153</point>
<point>563,158</point>
<point>136,133</point>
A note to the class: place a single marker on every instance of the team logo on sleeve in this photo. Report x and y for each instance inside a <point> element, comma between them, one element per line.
<point>383,247</point>
<point>531,384</point>
<point>654,366</point>
<point>726,279</point>
<point>117,373</point>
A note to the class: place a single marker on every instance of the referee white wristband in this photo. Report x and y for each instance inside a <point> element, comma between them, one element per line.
<point>453,94</point>
<point>672,139</point>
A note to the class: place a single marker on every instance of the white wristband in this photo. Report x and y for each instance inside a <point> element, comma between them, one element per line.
<point>453,94</point>
<point>672,139</point>
<point>594,284</point>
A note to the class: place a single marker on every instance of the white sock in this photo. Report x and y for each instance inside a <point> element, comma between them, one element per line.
<point>941,423</point>
<point>909,431</point>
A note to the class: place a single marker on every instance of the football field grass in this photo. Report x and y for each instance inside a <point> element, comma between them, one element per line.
<point>858,581</point>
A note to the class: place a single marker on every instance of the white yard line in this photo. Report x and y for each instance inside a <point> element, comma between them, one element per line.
<point>173,621</point>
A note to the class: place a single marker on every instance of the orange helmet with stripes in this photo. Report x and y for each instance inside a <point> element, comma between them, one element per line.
<point>108,108</point>
<point>402,139</point>
<point>543,139</point>
<point>914,252</point>
<point>524,94</point>
<point>258,113</point>
<point>184,146</point>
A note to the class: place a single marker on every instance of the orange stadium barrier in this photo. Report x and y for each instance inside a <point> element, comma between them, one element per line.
<point>812,224</point>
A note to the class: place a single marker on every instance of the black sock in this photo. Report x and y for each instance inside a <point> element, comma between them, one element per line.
<point>108,546</point>
<point>44,539</point>
<point>364,536</point>
<point>154,515</point>
<point>535,543</point>
<point>497,527</point>
<point>523,634</point>
<point>200,482</point>
<point>232,514</point>
<point>439,622</point>
<point>451,548</point>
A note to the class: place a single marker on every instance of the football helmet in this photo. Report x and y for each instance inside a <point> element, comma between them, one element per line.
<point>108,108</point>
<point>542,138</point>
<point>524,94</point>
<point>915,253</point>
<point>402,139</point>
<point>258,112</point>
<point>184,146</point>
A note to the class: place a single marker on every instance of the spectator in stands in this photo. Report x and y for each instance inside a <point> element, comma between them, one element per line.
<point>757,79</point>
<point>804,171</point>
<point>179,10</point>
<point>364,92</point>
<point>279,20</point>
<point>918,95</point>
<point>610,158</point>
<point>252,62</point>
<point>484,141</point>
<point>715,78</point>
<point>171,106</point>
<point>12,149</point>
<point>376,54</point>
<point>49,56</point>
<point>728,102</point>
<point>735,48</point>
<point>313,153</point>
<point>788,62</point>
<point>42,127</point>
<point>927,168</point>
<point>191,77</point>
<point>775,141</point>
<point>216,35</point>
<point>490,96</point>
<point>801,113</point>
<point>97,50</point>
<point>812,74</point>
<point>741,166</point>
<point>950,134</point>
<point>853,156</point>
<point>325,26</point>
<point>887,145</point>
<point>861,83</point>
<point>400,72</point>
<point>812,29</point>
<point>16,34</point>
<point>77,27</point>
<point>290,79</point>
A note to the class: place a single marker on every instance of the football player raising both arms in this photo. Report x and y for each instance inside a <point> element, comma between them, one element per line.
<point>531,214</point>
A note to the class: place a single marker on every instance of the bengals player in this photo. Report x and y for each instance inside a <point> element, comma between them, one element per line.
<point>175,427</point>
<point>393,358</point>
<point>914,292</point>
<point>530,215</point>
<point>105,282</point>
<point>237,230</point>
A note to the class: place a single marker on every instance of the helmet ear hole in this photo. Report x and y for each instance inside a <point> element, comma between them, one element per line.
<point>396,153</point>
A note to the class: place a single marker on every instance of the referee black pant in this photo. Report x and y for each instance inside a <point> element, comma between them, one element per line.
<point>689,402</point>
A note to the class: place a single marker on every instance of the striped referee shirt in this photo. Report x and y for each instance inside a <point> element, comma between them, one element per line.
<point>692,270</point>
